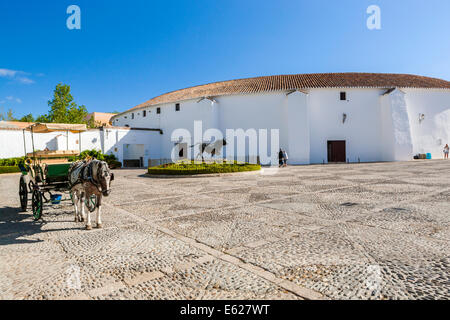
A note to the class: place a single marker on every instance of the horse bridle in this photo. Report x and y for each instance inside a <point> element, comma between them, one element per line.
<point>94,181</point>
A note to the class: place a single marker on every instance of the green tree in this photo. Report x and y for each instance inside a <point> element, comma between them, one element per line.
<point>43,119</point>
<point>27,118</point>
<point>63,109</point>
<point>10,115</point>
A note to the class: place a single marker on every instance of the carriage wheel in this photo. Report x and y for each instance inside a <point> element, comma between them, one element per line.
<point>37,204</point>
<point>91,203</point>
<point>23,194</point>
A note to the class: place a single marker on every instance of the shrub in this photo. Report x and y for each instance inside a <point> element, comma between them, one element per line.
<point>9,169</point>
<point>110,159</point>
<point>114,164</point>
<point>201,168</point>
<point>93,154</point>
<point>12,162</point>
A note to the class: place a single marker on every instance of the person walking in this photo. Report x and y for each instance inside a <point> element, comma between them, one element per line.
<point>285,158</point>
<point>280,158</point>
<point>446,151</point>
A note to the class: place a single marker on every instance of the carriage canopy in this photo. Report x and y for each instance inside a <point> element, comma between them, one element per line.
<point>52,127</point>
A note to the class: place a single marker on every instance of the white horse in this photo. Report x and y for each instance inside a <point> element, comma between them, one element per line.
<point>87,179</point>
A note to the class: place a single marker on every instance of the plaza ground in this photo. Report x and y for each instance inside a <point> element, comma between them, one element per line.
<point>347,231</point>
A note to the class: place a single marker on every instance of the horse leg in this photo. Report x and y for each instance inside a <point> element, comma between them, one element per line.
<point>75,204</point>
<point>88,220</point>
<point>81,215</point>
<point>81,197</point>
<point>99,212</point>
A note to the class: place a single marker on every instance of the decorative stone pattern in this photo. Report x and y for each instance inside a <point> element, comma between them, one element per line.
<point>358,231</point>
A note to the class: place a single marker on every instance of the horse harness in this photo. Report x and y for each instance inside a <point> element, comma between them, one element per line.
<point>86,175</point>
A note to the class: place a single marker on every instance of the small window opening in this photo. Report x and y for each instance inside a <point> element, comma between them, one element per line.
<point>343,96</point>
<point>144,113</point>
<point>158,110</point>
<point>177,107</point>
<point>132,115</point>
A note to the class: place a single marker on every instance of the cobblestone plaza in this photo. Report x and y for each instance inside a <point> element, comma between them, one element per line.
<point>348,231</point>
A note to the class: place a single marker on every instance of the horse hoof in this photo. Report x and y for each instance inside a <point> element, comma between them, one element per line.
<point>81,219</point>
<point>76,219</point>
<point>88,227</point>
<point>99,225</point>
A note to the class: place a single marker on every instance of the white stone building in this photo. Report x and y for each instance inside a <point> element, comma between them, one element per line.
<point>321,117</point>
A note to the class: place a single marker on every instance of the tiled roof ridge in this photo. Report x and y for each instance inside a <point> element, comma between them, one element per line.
<point>298,81</point>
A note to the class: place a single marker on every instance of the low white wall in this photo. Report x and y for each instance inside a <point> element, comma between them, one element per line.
<point>110,141</point>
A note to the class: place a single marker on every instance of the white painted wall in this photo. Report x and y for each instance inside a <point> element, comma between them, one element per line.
<point>297,136</point>
<point>109,141</point>
<point>431,134</point>
<point>254,111</point>
<point>12,142</point>
<point>361,130</point>
<point>378,127</point>
<point>387,129</point>
<point>258,111</point>
<point>403,146</point>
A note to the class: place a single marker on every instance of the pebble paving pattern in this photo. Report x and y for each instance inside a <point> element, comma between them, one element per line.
<point>347,231</point>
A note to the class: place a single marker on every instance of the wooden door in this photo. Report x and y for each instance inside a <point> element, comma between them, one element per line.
<point>336,151</point>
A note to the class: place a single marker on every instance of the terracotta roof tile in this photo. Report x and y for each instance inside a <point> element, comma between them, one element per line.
<point>299,81</point>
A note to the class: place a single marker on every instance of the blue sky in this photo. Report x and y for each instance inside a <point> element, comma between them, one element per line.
<point>130,51</point>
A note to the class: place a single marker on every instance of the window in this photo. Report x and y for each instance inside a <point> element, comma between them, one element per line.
<point>125,117</point>
<point>132,116</point>
<point>343,96</point>
<point>158,110</point>
<point>144,113</point>
<point>177,107</point>
<point>127,125</point>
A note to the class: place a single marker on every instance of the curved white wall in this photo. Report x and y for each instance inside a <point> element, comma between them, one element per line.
<point>378,127</point>
<point>432,133</point>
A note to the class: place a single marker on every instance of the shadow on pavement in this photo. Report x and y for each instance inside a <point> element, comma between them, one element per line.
<point>15,224</point>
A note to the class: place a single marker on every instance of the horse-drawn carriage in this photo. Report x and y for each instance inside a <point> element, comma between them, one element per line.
<point>46,172</point>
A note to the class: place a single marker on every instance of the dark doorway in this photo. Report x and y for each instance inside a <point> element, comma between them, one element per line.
<point>132,163</point>
<point>336,151</point>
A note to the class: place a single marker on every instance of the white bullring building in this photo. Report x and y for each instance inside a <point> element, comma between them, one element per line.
<point>321,118</point>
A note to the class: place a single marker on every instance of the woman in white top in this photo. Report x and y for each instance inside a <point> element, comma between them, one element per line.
<point>446,150</point>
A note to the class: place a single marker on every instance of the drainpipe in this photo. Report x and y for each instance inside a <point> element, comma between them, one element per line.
<point>32,142</point>
<point>24,143</point>
<point>102,138</point>
<point>215,114</point>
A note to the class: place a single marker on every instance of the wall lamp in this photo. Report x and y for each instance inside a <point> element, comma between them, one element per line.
<point>421,117</point>
<point>344,117</point>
